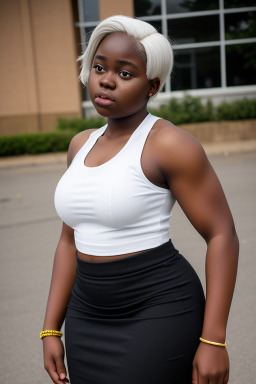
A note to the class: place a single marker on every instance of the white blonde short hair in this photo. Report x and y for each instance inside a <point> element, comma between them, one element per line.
<point>158,50</point>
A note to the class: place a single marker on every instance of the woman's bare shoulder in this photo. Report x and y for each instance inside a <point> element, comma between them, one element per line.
<point>176,147</point>
<point>77,143</point>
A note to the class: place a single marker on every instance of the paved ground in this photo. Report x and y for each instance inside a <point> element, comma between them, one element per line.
<point>29,229</point>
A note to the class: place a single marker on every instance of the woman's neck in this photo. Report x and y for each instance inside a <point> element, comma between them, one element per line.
<point>125,125</point>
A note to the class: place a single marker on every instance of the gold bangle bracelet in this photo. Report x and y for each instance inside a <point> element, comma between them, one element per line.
<point>213,342</point>
<point>50,332</point>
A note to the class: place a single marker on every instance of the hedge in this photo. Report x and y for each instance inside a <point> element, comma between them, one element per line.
<point>78,125</point>
<point>188,110</point>
<point>46,142</point>
<point>237,110</point>
<point>192,110</point>
<point>34,143</point>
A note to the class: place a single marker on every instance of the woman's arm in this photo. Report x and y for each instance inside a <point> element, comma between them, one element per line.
<point>63,277</point>
<point>199,193</point>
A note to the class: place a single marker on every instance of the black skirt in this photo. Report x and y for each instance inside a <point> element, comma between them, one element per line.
<point>135,320</point>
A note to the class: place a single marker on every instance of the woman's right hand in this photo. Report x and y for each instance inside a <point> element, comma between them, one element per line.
<point>54,359</point>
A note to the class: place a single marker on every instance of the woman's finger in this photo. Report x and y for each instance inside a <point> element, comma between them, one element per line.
<point>61,369</point>
<point>195,375</point>
<point>226,378</point>
<point>203,379</point>
<point>52,371</point>
<point>214,381</point>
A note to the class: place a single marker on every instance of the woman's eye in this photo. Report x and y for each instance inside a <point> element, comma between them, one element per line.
<point>125,74</point>
<point>98,68</point>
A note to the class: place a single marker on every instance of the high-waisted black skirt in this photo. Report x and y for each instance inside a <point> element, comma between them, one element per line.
<point>135,320</point>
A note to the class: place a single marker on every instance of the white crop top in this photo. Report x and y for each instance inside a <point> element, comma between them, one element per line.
<point>113,208</point>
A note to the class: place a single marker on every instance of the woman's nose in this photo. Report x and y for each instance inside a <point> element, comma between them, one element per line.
<point>107,81</point>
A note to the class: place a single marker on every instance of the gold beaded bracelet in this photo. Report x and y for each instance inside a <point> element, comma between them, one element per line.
<point>50,332</point>
<point>213,342</point>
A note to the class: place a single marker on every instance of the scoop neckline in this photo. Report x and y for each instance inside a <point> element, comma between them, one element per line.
<point>121,150</point>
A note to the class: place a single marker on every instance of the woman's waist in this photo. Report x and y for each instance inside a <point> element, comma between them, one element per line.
<point>124,264</point>
<point>148,278</point>
<point>97,259</point>
<point>148,275</point>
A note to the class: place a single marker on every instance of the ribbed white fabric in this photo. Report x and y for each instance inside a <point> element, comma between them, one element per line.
<point>113,208</point>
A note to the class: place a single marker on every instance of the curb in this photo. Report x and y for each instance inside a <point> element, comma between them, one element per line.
<point>224,148</point>
<point>33,160</point>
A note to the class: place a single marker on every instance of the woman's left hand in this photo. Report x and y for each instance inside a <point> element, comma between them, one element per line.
<point>210,365</point>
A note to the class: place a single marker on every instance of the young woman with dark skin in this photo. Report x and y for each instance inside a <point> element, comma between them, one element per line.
<point>171,159</point>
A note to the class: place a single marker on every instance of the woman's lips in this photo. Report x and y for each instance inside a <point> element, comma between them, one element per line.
<point>102,100</point>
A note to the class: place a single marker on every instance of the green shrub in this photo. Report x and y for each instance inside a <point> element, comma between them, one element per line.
<point>46,142</point>
<point>78,125</point>
<point>192,110</point>
<point>188,110</point>
<point>237,110</point>
<point>32,143</point>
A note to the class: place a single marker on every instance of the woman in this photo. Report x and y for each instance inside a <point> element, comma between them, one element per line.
<point>137,309</point>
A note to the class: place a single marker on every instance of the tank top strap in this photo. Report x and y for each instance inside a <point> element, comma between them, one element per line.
<point>90,143</point>
<point>142,133</point>
<point>94,137</point>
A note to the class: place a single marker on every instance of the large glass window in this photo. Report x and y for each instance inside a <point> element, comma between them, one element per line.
<point>194,29</point>
<point>88,19</point>
<point>147,7</point>
<point>157,24</point>
<point>240,25</point>
<point>213,46</point>
<point>241,64</point>
<point>196,68</point>
<point>238,3</point>
<point>90,10</point>
<point>179,6</point>
<point>88,31</point>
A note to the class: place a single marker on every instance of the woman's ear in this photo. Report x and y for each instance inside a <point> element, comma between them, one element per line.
<point>153,87</point>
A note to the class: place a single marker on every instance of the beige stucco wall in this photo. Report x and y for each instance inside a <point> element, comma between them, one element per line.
<point>222,131</point>
<point>38,72</point>
<point>116,7</point>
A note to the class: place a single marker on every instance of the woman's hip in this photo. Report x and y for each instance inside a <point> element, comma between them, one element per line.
<point>155,283</point>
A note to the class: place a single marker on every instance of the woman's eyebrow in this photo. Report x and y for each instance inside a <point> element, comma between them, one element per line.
<point>123,62</point>
<point>99,57</point>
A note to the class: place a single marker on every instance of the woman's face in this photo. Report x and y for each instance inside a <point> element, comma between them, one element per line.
<point>117,83</point>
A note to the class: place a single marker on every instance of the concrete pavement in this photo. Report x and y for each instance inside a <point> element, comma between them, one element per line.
<point>29,230</point>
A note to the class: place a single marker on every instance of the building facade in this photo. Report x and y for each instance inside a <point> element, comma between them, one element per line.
<point>214,44</point>
<point>38,69</point>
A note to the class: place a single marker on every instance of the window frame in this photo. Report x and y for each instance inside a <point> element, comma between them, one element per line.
<point>164,17</point>
<point>222,42</point>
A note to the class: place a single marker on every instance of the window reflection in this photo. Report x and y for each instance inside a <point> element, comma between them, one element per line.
<point>88,32</point>
<point>241,64</point>
<point>157,24</point>
<point>194,29</point>
<point>240,25</point>
<point>196,68</point>
<point>238,3</point>
<point>179,6</point>
<point>147,7</point>
<point>91,10</point>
